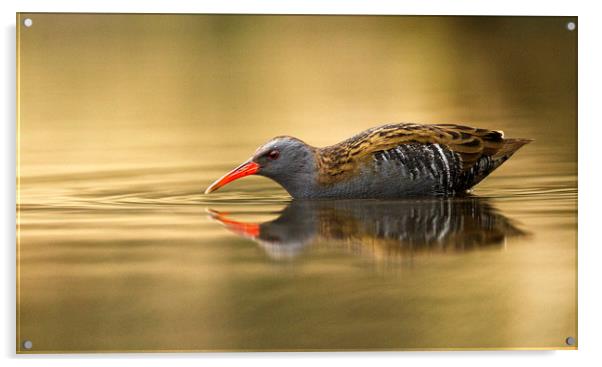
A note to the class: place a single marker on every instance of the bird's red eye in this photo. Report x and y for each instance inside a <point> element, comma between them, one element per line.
<point>273,154</point>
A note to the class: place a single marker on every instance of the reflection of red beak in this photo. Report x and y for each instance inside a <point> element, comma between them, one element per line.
<point>251,230</point>
<point>245,169</point>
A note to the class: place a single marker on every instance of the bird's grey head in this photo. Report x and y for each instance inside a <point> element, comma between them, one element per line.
<point>286,160</point>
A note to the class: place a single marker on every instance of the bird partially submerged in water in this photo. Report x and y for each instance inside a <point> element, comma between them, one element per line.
<point>389,161</point>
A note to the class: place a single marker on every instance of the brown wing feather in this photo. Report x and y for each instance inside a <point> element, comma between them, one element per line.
<point>473,143</point>
<point>337,162</point>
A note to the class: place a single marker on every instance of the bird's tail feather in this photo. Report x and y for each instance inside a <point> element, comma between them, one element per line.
<point>510,147</point>
<point>486,165</point>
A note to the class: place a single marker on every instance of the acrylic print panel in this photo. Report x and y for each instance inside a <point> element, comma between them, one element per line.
<point>124,120</point>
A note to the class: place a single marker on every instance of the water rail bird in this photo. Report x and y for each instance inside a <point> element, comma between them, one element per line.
<point>385,162</point>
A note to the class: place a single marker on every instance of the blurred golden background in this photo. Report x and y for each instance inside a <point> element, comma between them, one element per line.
<point>108,86</point>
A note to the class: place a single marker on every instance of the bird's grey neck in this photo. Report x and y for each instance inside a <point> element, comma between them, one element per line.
<point>299,185</point>
<point>300,181</point>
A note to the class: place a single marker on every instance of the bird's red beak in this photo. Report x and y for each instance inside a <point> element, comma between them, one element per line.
<point>245,169</point>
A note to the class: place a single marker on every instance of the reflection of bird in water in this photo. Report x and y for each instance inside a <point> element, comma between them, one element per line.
<point>379,228</point>
<point>390,161</point>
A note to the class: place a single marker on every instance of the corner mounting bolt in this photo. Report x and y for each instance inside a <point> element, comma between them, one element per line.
<point>27,344</point>
<point>571,26</point>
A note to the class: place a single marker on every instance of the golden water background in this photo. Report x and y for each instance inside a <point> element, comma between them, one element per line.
<point>125,119</point>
